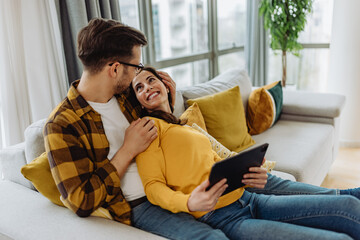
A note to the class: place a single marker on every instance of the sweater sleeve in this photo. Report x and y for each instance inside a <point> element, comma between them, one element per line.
<point>151,167</point>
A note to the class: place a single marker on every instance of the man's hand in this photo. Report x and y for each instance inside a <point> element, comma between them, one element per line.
<point>257,177</point>
<point>167,80</point>
<point>202,200</point>
<point>138,137</point>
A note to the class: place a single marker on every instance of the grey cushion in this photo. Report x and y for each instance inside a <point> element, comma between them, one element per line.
<point>179,104</point>
<point>226,80</point>
<point>34,140</point>
<point>11,161</point>
<point>302,149</point>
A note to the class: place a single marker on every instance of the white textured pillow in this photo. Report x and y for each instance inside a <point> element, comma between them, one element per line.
<point>229,79</point>
<point>223,152</point>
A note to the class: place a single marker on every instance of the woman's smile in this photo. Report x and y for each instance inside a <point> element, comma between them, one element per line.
<point>153,95</point>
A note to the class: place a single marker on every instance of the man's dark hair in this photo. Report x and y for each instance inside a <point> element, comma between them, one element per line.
<point>103,40</point>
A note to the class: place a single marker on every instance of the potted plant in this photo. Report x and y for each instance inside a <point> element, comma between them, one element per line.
<point>285,19</point>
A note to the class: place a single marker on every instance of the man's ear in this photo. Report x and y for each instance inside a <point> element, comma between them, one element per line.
<point>115,69</point>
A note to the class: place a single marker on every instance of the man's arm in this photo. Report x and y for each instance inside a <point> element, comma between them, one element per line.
<point>83,187</point>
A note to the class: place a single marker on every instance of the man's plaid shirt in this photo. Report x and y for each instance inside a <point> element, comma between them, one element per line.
<point>77,149</point>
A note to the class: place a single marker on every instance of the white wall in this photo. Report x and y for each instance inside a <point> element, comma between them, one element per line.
<point>344,73</point>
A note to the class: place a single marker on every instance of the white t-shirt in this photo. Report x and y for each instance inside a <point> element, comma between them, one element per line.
<point>115,124</point>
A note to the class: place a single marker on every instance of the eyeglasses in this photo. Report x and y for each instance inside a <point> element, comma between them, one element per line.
<point>138,68</point>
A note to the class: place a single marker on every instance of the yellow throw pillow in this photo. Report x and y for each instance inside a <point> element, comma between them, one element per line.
<point>193,115</point>
<point>38,172</point>
<point>224,117</point>
<point>223,152</point>
<point>264,107</point>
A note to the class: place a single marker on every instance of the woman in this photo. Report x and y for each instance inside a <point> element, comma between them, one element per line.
<point>175,168</point>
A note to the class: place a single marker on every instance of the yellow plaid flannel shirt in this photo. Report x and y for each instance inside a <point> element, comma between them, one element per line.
<point>77,149</point>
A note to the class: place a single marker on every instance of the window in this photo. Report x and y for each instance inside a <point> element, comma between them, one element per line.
<point>129,12</point>
<point>193,40</point>
<point>310,70</point>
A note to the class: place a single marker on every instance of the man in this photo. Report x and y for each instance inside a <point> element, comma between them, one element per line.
<point>92,137</point>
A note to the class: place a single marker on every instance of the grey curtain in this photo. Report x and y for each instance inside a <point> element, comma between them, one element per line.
<point>74,15</point>
<point>256,45</point>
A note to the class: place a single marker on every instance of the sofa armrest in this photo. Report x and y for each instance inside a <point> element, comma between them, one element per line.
<point>11,160</point>
<point>308,104</point>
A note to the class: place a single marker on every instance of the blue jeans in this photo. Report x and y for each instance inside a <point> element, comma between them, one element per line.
<point>156,220</point>
<point>258,216</point>
<point>279,186</point>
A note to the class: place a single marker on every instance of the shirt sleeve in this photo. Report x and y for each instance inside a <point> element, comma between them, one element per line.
<point>82,187</point>
<point>151,167</point>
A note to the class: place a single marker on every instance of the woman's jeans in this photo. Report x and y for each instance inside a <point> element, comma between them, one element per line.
<point>183,226</point>
<point>258,216</point>
<point>279,186</point>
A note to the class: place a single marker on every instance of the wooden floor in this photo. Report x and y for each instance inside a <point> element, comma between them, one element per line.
<point>345,171</point>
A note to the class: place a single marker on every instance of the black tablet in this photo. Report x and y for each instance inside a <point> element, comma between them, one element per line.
<point>235,167</point>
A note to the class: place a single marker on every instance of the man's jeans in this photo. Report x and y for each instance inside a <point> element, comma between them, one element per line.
<point>156,220</point>
<point>258,216</point>
<point>279,186</point>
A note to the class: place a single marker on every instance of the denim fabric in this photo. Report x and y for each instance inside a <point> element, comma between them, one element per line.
<point>156,220</point>
<point>258,216</point>
<point>279,186</point>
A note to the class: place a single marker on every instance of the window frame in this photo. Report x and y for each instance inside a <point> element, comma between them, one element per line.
<point>212,55</point>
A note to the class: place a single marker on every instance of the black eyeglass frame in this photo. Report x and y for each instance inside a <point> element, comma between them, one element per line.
<point>138,67</point>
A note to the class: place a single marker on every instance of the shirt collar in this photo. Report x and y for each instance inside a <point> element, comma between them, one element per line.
<point>79,104</point>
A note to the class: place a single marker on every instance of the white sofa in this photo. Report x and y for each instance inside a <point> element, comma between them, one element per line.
<point>304,143</point>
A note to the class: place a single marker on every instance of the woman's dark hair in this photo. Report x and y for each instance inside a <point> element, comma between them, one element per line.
<point>168,117</point>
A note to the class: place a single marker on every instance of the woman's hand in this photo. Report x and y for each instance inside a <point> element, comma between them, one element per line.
<point>202,200</point>
<point>170,83</point>
<point>257,177</point>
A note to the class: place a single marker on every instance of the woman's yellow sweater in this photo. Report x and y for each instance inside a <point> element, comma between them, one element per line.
<point>174,164</point>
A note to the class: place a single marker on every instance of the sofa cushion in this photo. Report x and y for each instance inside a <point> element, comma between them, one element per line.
<point>39,173</point>
<point>11,161</point>
<point>264,107</point>
<point>34,140</point>
<point>225,118</point>
<point>179,107</point>
<point>299,148</point>
<point>25,214</point>
<point>231,78</point>
<point>193,115</point>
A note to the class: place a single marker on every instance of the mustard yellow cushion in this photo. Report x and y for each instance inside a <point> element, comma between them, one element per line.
<point>224,117</point>
<point>38,172</point>
<point>264,107</point>
<point>223,152</point>
<point>193,115</point>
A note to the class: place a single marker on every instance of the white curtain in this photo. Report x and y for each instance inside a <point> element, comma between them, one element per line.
<point>32,69</point>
